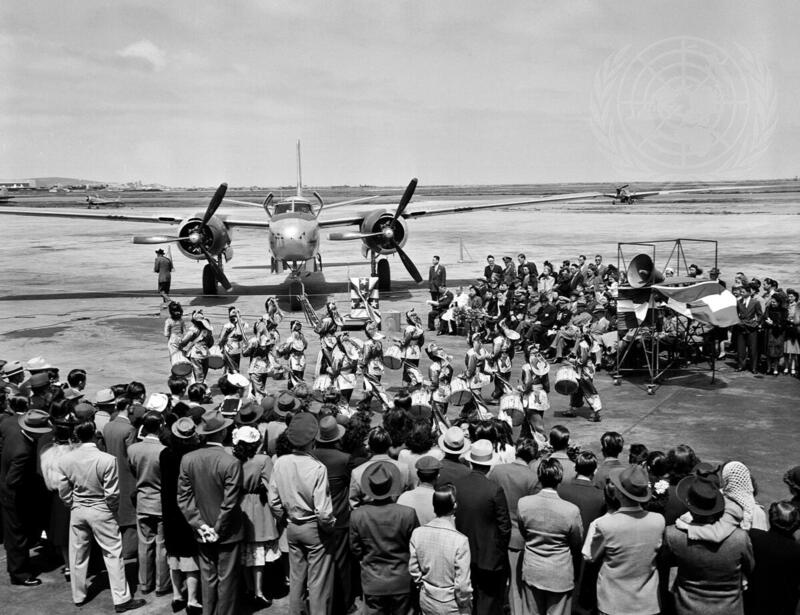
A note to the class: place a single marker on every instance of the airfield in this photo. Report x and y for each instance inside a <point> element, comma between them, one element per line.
<point>80,294</point>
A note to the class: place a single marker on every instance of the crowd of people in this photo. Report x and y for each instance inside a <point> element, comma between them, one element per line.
<point>448,496</point>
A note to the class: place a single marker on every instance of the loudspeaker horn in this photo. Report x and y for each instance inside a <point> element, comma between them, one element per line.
<point>642,272</point>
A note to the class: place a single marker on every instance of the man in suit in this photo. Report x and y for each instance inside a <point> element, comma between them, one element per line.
<point>536,331</point>
<point>625,543</point>
<point>420,497</point>
<point>437,277</point>
<point>575,276</point>
<point>144,462</point>
<point>483,518</point>
<point>163,267</point>
<point>379,443</point>
<point>559,441</point>
<point>517,481</point>
<point>380,532</point>
<point>438,307</point>
<point>491,269</point>
<point>611,444</point>
<point>750,314</point>
<point>21,489</point>
<point>527,273</point>
<point>329,452</point>
<point>453,444</point>
<point>509,272</point>
<point>118,435</point>
<point>601,268</point>
<point>209,490</point>
<point>553,534</point>
<point>88,485</point>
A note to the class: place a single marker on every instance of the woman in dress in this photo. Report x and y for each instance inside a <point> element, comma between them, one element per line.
<point>411,344</point>
<point>535,389</point>
<point>196,344</point>
<point>262,361</point>
<point>231,340</point>
<point>547,280</point>
<point>295,350</point>
<point>174,330</point>
<point>327,329</point>
<point>260,544</point>
<point>774,323</point>
<point>346,356</point>
<point>372,364</point>
<point>791,345</point>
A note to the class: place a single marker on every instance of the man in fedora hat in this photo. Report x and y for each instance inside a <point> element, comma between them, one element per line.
<point>380,533</point>
<point>453,444</point>
<point>163,267</point>
<point>118,435</point>
<point>299,493</point>
<point>337,463</point>
<point>88,486</point>
<point>379,442</point>
<point>625,543</point>
<point>21,491</point>
<point>209,490</point>
<point>483,518</point>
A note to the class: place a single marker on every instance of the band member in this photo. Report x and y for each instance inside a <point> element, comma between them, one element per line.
<point>440,373</point>
<point>232,340</point>
<point>500,361</point>
<point>411,344</point>
<point>296,350</point>
<point>346,355</point>
<point>371,361</point>
<point>326,330</point>
<point>174,329</point>
<point>262,360</point>
<point>475,367</point>
<point>535,389</point>
<point>196,344</point>
<point>272,314</point>
<point>583,361</point>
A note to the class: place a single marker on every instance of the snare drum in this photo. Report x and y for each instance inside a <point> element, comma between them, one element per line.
<point>215,358</point>
<point>181,367</point>
<point>393,357</point>
<point>566,380</point>
<point>322,383</point>
<point>460,392</point>
<point>538,400</point>
<point>512,405</point>
<point>420,404</point>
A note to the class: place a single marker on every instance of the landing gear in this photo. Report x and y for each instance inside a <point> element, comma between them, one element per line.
<point>209,281</point>
<point>318,262</point>
<point>296,291</point>
<point>384,274</point>
<point>273,265</point>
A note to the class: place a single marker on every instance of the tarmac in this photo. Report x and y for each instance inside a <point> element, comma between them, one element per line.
<point>79,296</point>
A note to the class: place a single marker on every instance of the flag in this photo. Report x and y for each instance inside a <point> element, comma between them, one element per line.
<point>364,299</point>
<point>707,302</point>
<point>632,306</point>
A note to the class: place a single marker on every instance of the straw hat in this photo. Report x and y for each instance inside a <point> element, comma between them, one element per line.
<point>481,453</point>
<point>453,442</point>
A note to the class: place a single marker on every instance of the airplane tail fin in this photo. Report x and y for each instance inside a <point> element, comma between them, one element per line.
<point>299,172</point>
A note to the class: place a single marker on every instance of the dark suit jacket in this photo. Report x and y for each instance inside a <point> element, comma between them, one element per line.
<point>209,490</point>
<point>483,518</point>
<point>547,315</point>
<point>379,538</point>
<point>750,316</point>
<point>17,469</point>
<point>436,277</point>
<point>444,301</point>
<point>451,471</point>
<point>604,469</point>
<point>338,464</point>
<point>774,582</point>
<point>118,435</point>
<point>588,498</point>
<point>490,270</point>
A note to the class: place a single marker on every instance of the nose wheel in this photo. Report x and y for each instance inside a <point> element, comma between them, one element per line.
<point>382,270</point>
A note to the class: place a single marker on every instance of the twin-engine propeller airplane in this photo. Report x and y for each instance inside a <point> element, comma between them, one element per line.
<point>629,197</point>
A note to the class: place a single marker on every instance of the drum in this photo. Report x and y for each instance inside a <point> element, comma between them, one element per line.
<point>420,404</point>
<point>566,380</point>
<point>512,405</point>
<point>460,392</point>
<point>442,394</point>
<point>181,368</point>
<point>511,334</point>
<point>215,358</point>
<point>393,357</point>
<point>538,400</point>
<point>321,383</point>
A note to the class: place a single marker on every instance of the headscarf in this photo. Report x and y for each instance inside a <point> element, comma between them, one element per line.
<point>738,486</point>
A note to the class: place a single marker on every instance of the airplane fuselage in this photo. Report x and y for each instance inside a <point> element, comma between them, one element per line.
<point>294,237</point>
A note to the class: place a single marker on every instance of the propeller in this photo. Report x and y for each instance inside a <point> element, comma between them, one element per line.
<point>401,207</point>
<point>409,264</point>
<point>218,273</point>
<point>350,235</point>
<point>214,204</point>
<point>155,239</point>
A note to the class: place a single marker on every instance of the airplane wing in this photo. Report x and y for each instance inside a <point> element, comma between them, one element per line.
<point>231,222</point>
<point>49,213</point>
<point>710,189</point>
<point>353,201</point>
<point>247,203</point>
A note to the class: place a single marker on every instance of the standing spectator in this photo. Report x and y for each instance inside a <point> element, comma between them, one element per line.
<point>774,586</point>
<point>774,323</point>
<point>260,544</point>
<point>379,443</point>
<point>299,493</point>
<point>89,486</point>
<point>118,435</point>
<point>439,560</point>
<point>491,269</point>
<point>209,490</point>
<point>144,463</point>
<point>337,463</point>
<point>509,272</point>
<point>437,277</point>
<point>179,537</point>
<point>453,444</point>
<point>517,481</point>
<point>553,534</point>
<point>559,441</point>
<point>611,444</point>
<point>710,576</point>
<point>420,498</point>
<point>163,267</point>
<point>527,273</point>
<point>483,518</point>
<point>750,313</point>
<point>380,532</point>
<point>625,543</point>
<point>21,490</point>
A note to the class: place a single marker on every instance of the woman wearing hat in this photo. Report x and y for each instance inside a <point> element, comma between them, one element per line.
<point>196,344</point>
<point>174,329</point>
<point>440,373</point>
<point>411,344</point>
<point>271,319</point>
<point>372,362</point>
<point>260,544</point>
<point>232,339</point>
<point>346,356</point>
<point>583,361</point>
<point>535,389</point>
<point>179,537</point>
<point>262,360</point>
<point>710,574</point>
<point>326,329</point>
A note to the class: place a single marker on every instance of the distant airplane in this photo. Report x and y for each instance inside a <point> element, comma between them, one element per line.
<point>5,197</point>
<point>95,201</point>
<point>628,197</point>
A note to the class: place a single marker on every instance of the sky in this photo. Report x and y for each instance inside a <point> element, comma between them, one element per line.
<point>188,93</point>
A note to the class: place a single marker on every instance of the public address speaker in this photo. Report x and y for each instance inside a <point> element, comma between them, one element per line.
<point>642,272</point>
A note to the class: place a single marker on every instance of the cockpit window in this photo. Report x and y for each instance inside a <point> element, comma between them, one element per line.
<point>302,208</point>
<point>298,207</point>
<point>283,208</point>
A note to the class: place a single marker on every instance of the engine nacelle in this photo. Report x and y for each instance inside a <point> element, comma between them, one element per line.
<point>215,237</point>
<point>379,221</point>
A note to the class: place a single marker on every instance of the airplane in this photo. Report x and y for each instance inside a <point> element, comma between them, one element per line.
<point>628,197</point>
<point>95,202</point>
<point>5,197</point>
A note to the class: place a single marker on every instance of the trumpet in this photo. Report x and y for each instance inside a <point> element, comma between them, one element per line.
<point>241,328</point>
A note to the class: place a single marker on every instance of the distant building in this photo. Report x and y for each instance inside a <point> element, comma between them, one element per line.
<point>17,184</point>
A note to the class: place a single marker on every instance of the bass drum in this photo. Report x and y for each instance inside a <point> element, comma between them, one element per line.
<point>566,380</point>
<point>420,404</point>
<point>393,357</point>
<point>181,368</point>
<point>538,400</point>
<point>511,404</point>
<point>321,383</point>
<point>460,392</point>
<point>215,358</point>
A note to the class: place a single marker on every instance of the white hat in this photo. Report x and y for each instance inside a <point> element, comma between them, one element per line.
<point>481,453</point>
<point>157,402</point>
<point>238,380</point>
<point>246,434</point>
<point>37,364</point>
